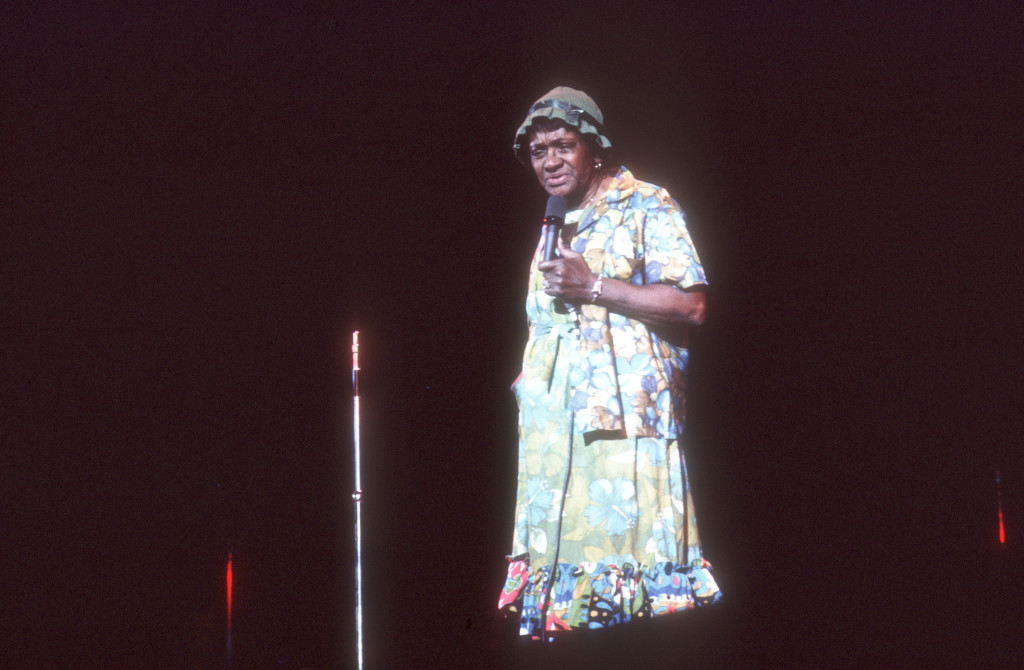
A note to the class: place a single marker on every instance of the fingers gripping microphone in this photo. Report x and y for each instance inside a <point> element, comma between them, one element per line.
<point>554,217</point>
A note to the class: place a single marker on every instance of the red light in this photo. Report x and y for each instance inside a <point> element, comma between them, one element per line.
<point>999,502</point>
<point>229,589</point>
<point>229,580</point>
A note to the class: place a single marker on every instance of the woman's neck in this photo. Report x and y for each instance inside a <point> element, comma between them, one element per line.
<point>597,187</point>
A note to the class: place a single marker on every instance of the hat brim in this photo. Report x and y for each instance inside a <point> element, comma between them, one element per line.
<point>581,122</point>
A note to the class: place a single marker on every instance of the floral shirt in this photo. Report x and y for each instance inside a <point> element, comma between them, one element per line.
<point>624,377</point>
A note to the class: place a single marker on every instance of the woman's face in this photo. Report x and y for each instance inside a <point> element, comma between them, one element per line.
<point>564,164</point>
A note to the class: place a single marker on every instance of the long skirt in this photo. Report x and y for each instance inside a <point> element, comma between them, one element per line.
<point>605,530</point>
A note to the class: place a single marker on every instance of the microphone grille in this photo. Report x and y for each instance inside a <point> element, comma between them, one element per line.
<point>556,207</point>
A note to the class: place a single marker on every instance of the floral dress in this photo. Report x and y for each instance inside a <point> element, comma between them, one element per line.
<point>605,530</point>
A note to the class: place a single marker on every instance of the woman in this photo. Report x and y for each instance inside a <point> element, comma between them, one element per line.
<point>605,531</point>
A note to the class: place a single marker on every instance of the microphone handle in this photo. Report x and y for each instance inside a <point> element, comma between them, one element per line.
<point>552,228</point>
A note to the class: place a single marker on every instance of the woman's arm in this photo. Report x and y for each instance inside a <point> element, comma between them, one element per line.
<point>657,305</point>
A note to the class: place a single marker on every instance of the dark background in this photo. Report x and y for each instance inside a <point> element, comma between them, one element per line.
<point>201,204</point>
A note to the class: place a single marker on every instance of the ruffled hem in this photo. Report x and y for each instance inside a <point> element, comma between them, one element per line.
<point>599,595</point>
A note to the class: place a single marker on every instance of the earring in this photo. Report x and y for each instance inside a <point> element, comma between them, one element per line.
<point>597,165</point>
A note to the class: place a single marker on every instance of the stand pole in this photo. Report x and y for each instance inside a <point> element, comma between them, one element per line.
<point>357,496</point>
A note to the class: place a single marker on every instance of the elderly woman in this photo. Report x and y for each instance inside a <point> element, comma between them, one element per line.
<point>605,531</point>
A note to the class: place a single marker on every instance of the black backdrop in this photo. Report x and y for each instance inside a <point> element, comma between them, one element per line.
<point>201,204</point>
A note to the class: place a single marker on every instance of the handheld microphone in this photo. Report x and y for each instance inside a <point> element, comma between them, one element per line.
<point>554,217</point>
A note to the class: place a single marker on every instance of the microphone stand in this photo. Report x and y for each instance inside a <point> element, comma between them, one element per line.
<point>357,497</point>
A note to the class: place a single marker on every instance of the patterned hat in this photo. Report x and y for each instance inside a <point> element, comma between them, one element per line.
<point>567,104</point>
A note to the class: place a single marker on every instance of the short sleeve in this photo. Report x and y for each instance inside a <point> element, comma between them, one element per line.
<point>669,254</point>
